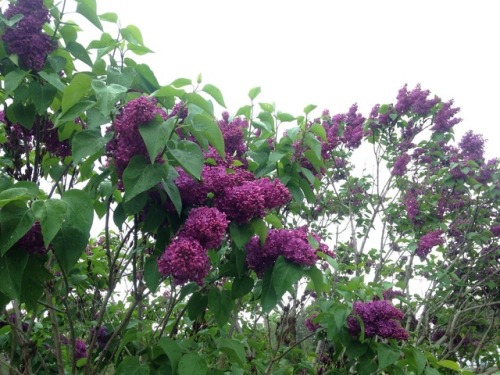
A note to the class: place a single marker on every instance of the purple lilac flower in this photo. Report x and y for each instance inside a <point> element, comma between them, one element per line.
<point>487,170</point>
<point>472,146</point>
<point>380,318</point>
<point>186,260</point>
<point>26,38</point>
<point>415,101</point>
<point>495,230</point>
<point>428,241</point>
<point>390,294</point>
<point>310,325</point>
<point>32,241</point>
<point>353,130</point>
<point>445,119</point>
<point>399,167</point>
<point>275,193</point>
<point>242,203</point>
<point>80,349</point>
<point>411,205</point>
<point>103,336</point>
<point>193,193</point>
<point>50,138</point>
<point>128,141</point>
<point>232,131</point>
<point>206,225</point>
<point>292,244</point>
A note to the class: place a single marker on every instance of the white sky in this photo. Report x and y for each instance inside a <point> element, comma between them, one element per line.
<point>329,53</point>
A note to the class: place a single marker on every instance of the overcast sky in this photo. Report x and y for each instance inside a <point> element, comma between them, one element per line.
<point>328,53</point>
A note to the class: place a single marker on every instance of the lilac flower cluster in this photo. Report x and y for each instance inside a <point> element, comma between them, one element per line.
<point>346,129</point>
<point>127,141</point>
<point>207,225</point>
<point>32,241</point>
<point>495,230</point>
<point>415,101</point>
<point>380,318</point>
<point>400,165</point>
<point>411,205</point>
<point>472,146</point>
<point>185,258</point>
<point>428,241</point>
<point>26,38</point>
<point>309,323</point>
<point>292,244</point>
<point>236,192</point>
<point>80,349</point>
<point>444,119</point>
<point>390,294</point>
<point>232,131</point>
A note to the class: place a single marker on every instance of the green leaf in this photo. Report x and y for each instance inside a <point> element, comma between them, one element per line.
<point>386,355</point>
<point>188,155</point>
<point>254,92</point>
<point>14,194</point>
<point>41,96</point>
<point>173,193</point>
<point>76,111</point>
<point>319,131</point>
<point>15,221</point>
<point>140,176</point>
<point>34,277</point>
<point>268,295</point>
<point>449,364</point>
<point>108,96</point>
<point>220,304</point>
<point>240,234</point>
<point>241,286</point>
<point>87,8</point>
<point>285,275</point>
<point>132,34</point>
<point>11,273</point>
<point>51,214</point>
<point>197,305</point>
<point>132,366</point>
<point>199,101</point>
<point>151,274</point>
<point>192,364</point>
<point>308,109</point>
<point>215,93</point>
<point>13,80</point>
<point>54,79</point>
<point>172,350</point>
<point>109,17</point>
<point>274,221</point>
<point>156,134</point>
<point>234,349</point>
<point>75,91</point>
<point>209,128</point>
<point>244,111</point>
<point>181,82</point>
<point>431,371</point>
<point>22,113</point>
<point>316,277</point>
<point>88,142</point>
<point>79,51</point>
<point>416,359</point>
<point>285,117</point>
<point>146,78</point>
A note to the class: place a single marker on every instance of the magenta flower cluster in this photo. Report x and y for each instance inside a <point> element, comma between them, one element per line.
<point>234,137</point>
<point>380,318</point>
<point>236,192</point>
<point>400,165</point>
<point>428,241</point>
<point>292,244</point>
<point>309,323</point>
<point>80,349</point>
<point>127,141</point>
<point>185,258</point>
<point>32,241</point>
<point>415,101</point>
<point>472,147</point>
<point>25,38</point>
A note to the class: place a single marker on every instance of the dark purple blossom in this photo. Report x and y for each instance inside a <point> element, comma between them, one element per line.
<point>242,203</point>
<point>428,241</point>
<point>445,119</point>
<point>472,146</point>
<point>415,101</point>
<point>128,141</point>
<point>309,323</point>
<point>232,131</point>
<point>186,260</point>
<point>32,241</point>
<point>495,230</point>
<point>207,225</point>
<point>275,193</point>
<point>380,318</point>
<point>292,244</point>
<point>390,294</point>
<point>80,349</point>
<point>399,167</point>
<point>26,38</point>
<point>412,206</point>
